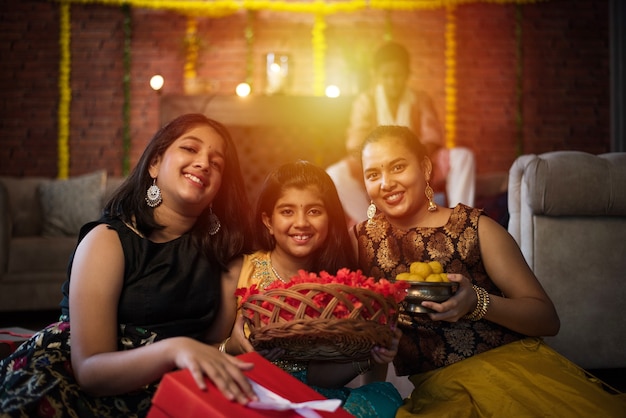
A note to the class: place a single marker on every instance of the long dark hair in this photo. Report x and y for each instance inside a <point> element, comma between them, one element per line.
<point>230,203</point>
<point>337,251</point>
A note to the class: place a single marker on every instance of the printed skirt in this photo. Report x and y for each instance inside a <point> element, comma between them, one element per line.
<point>37,381</point>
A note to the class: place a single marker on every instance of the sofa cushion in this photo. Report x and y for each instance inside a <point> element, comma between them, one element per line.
<point>68,204</point>
<point>40,254</point>
<point>24,204</point>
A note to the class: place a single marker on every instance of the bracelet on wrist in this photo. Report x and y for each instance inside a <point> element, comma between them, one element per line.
<point>222,346</point>
<point>482,304</point>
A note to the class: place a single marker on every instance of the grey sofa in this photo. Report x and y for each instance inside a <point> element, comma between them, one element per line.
<point>38,232</point>
<point>568,214</point>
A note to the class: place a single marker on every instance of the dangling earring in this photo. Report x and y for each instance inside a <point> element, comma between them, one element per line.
<point>214,222</point>
<point>371,211</point>
<point>153,195</point>
<point>432,206</point>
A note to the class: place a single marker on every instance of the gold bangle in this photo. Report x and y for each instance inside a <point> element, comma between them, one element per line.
<point>359,369</point>
<point>482,303</point>
<point>222,346</point>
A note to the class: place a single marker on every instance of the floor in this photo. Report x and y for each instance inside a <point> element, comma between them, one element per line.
<point>616,378</point>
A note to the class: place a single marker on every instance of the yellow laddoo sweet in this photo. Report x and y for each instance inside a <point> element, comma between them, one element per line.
<point>436,267</point>
<point>433,277</point>
<point>421,271</point>
<point>404,276</point>
<point>421,268</point>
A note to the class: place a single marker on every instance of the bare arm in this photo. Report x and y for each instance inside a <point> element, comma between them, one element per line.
<point>95,288</point>
<point>228,307</point>
<point>526,308</point>
<point>238,342</point>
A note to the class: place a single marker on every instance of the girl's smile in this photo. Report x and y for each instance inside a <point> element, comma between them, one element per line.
<point>299,223</point>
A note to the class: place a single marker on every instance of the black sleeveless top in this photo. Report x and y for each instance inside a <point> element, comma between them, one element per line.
<point>170,289</point>
<point>385,251</point>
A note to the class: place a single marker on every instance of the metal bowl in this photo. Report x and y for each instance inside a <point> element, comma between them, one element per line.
<point>427,291</point>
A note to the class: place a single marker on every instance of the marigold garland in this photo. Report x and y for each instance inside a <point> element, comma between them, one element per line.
<point>319,55</point>
<point>192,48</point>
<point>249,36</point>
<point>450,79</point>
<point>65,93</point>
<point>220,8</point>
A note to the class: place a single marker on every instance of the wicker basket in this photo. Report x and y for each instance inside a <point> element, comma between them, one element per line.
<point>292,320</point>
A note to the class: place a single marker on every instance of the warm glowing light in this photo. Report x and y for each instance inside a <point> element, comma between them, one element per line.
<point>275,68</point>
<point>156,82</point>
<point>243,89</point>
<point>332,91</point>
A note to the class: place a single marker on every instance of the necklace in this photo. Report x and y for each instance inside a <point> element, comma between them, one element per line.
<point>278,276</point>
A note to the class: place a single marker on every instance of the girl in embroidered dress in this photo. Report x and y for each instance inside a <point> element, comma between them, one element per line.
<point>479,354</point>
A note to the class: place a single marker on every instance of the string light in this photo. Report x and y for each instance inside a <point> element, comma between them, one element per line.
<point>332,91</point>
<point>243,89</point>
<point>156,82</point>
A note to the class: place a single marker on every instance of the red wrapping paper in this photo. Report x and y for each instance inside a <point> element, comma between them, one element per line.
<point>178,396</point>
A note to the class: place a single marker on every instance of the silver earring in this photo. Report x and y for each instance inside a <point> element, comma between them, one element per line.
<point>371,211</point>
<point>153,195</point>
<point>214,223</point>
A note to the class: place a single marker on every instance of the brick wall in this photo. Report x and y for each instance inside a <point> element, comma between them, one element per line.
<point>565,68</point>
<point>28,88</point>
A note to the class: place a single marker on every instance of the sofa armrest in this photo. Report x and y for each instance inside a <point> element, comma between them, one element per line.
<point>516,174</point>
<point>574,183</point>
<point>568,214</point>
<point>563,183</point>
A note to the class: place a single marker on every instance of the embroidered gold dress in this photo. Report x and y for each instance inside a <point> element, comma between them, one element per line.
<point>466,368</point>
<point>385,251</point>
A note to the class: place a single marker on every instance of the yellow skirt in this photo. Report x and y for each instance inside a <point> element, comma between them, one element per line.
<point>522,379</point>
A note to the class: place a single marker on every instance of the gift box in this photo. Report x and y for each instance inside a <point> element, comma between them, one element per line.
<point>178,395</point>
